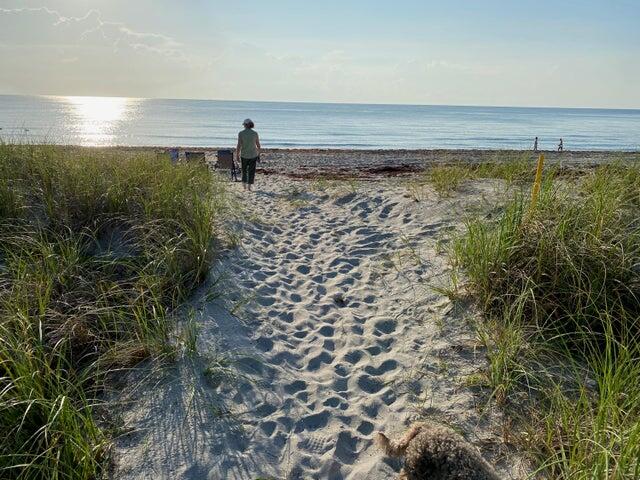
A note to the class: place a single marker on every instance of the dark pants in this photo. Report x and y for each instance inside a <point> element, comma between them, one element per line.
<point>249,170</point>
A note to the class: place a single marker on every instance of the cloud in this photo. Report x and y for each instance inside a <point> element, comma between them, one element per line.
<point>46,52</point>
<point>87,55</point>
<point>47,27</point>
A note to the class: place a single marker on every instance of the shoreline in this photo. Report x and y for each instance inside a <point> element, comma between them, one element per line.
<point>342,163</point>
<point>428,153</point>
<point>344,150</point>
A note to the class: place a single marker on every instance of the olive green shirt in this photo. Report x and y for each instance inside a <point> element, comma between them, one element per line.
<point>247,139</point>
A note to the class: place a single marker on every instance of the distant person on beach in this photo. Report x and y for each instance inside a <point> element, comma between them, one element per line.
<point>560,146</point>
<point>248,153</point>
<point>535,145</point>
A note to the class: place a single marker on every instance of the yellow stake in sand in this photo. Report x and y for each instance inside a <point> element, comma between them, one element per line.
<point>536,183</point>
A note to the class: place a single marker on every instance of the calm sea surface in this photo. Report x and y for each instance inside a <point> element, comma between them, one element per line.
<point>102,121</point>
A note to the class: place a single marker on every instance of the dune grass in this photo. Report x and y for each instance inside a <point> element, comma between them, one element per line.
<point>560,286</point>
<point>447,178</point>
<point>96,250</point>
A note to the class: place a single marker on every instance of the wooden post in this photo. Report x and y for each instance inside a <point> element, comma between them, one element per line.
<point>536,184</point>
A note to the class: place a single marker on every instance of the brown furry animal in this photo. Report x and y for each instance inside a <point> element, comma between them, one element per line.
<point>436,452</point>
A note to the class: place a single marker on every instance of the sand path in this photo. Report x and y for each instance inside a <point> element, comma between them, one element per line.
<point>341,335</point>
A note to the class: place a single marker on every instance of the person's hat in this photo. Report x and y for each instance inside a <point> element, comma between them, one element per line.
<point>247,121</point>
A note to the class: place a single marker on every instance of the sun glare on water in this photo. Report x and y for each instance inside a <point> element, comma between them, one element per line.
<point>97,118</point>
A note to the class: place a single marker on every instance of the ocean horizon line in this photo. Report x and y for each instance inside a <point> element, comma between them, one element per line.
<point>312,102</point>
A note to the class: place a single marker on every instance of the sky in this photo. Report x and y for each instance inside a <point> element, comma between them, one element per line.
<point>565,53</point>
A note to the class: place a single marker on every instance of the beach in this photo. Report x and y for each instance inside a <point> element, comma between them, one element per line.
<point>271,334</point>
<point>338,314</point>
<point>435,275</point>
<point>337,163</point>
<point>390,162</point>
<point>341,332</point>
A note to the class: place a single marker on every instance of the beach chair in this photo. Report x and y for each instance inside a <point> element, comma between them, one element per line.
<point>225,162</point>
<point>174,155</point>
<point>171,154</point>
<point>198,157</point>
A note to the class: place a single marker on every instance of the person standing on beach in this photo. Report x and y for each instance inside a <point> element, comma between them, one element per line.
<point>535,145</point>
<point>560,146</point>
<point>248,152</point>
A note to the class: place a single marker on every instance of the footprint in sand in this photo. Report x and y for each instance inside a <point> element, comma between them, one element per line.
<point>326,331</point>
<point>370,384</point>
<point>346,447</point>
<point>315,362</point>
<point>313,422</point>
<point>295,387</point>
<point>265,410</point>
<point>303,269</point>
<point>374,350</point>
<point>329,345</point>
<point>365,428</point>
<point>385,367</point>
<point>387,210</point>
<point>353,356</point>
<point>385,327</point>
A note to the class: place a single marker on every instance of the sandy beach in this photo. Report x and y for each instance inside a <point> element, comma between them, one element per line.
<point>308,162</point>
<point>336,330</point>
<point>347,163</point>
<point>271,334</point>
<point>435,276</point>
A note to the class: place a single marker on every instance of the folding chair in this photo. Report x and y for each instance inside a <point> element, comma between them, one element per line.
<point>199,157</point>
<point>225,162</point>
<point>174,155</point>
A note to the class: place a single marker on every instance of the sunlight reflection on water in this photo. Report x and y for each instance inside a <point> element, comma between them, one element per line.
<point>97,118</point>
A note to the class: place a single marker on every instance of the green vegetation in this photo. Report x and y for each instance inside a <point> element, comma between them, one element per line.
<point>446,179</point>
<point>560,286</point>
<point>96,250</point>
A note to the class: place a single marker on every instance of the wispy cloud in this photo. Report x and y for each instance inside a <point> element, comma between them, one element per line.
<point>89,54</point>
<point>91,26</point>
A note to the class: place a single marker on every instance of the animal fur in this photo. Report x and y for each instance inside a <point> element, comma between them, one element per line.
<point>436,452</point>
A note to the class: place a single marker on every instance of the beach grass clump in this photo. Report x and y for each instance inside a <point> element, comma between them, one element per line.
<point>448,178</point>
<point>575,256</point>
<point>96,250</point>
<point>560,283</point>
<point>520,169</point>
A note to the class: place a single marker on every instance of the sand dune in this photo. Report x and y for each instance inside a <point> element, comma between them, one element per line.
<point>333,330</point>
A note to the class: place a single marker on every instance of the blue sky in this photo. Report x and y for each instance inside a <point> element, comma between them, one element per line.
<point>543,53</point>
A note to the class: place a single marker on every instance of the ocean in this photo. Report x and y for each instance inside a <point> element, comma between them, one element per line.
<point>107,121</point>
